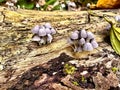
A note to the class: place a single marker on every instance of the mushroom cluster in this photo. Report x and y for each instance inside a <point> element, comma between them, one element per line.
<point>43,34</point>
<point>82,40</point>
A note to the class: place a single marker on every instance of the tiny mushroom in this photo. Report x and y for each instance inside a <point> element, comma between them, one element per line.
<point>48,25</point>
<point>49,38</point>
<point>48,31</point>
<point>42,32</point>
<point>81,41</point>
<point>94,44</point>
<point>90,35</point>
<point>53,31</point>
<point>35,29</point>
<point>74,35</point>
<point>87,47</point>
<point>36,38</point>
<point>83,33</point>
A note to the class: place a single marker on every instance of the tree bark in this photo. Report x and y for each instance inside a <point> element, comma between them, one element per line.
<point>18,53</point>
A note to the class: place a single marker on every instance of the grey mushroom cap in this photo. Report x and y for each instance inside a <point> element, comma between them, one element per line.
<point>94,44</point>
<point>49,38</point>
<point>48,31</point>
<point>87,47</point>
<point>36,38</point>
<point>83,33</point>
<point>74,35</point>
<point>117,18</point>
<point>42,32</point>
<point>90,35</point>
<point>81,41</point>
<point>48,25</point>
<point>53,31</point>
<point>35,29</point>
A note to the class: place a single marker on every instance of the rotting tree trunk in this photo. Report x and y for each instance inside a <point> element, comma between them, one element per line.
<point>18,53</point>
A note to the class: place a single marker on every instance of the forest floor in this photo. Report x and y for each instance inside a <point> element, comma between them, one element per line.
<point>26,66</point>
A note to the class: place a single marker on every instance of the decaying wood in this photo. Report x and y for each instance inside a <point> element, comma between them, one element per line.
<point>18,53</point>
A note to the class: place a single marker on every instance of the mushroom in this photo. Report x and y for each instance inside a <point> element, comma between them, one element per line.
<point>36,38</point>
<point>42,32</point>
<point>94,44</point>
<point>74,35</point>
<point>49,38</point>
<point>90,35</point>
<point>48,31</point>
<point>87,47</point>
<point>53,31</point>
<point>35,29</point>
<point>48,25</point>
<point>83,33</point>
<point>81,41</point>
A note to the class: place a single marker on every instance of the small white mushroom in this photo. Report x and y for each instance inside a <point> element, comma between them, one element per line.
<point>90,35</point>
<point>74,35</point>
<point>88,5</point>
<point>83,33</point>
<point>81,41</point>
<point>84,73</point>
<point>37,5</point>
<point>94,44</point>
<point>35,29</point>
<point>36,38</point>
<point>48,31</point>
<point>48,25</point>
<point>49,38</point>
<point>42,32</point>
<point>87,47</point>
<point>53,31</point>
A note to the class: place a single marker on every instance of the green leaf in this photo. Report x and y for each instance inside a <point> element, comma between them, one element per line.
<point>50,2</point>
<point>114,36</point>
<point>57,7</point>
<point>2,1</point>
<point>114,41</point>
<point>117,33</point>
<point>25,4</point>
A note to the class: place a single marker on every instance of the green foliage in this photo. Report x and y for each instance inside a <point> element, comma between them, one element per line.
<point>25,4</point>
<point>114,69</point>
<point>57,7</point>
<point>69,69</point>
<point>114,36</point>
<point>49,2</point>
<point>2,1</point>
<point>83,79</point>
<point>75,83</point>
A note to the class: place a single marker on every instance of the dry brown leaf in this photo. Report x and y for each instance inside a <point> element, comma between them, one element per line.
<point>108,4</point>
